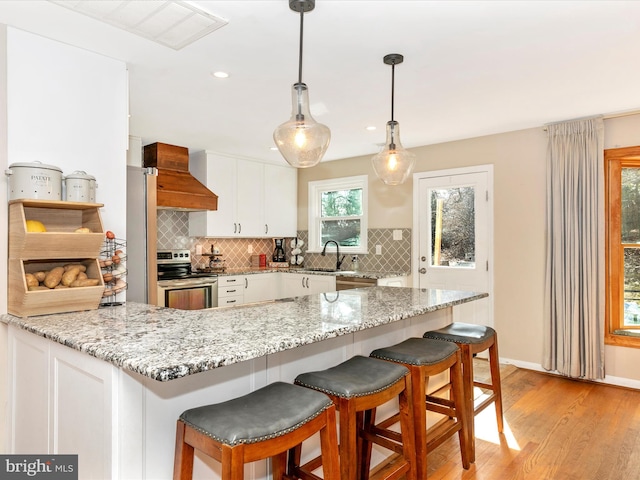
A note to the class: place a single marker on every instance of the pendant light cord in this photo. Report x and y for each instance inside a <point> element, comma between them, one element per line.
<point>393,79</point>
<point>300,54</point>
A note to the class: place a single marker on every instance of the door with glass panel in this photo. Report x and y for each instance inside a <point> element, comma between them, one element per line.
<point>454,237</point>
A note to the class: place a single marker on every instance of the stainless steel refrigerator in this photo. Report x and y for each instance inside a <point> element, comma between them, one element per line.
<point>142,272</point>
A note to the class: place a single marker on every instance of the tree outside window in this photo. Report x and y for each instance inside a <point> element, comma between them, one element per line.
<point>338,211</point>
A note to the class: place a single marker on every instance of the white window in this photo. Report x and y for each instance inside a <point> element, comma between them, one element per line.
<point>338,211</point>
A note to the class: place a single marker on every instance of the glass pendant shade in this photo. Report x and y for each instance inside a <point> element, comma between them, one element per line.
<point>393,164</point>
<point>302,141</point>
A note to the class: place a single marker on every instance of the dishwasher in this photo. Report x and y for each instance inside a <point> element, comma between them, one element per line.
<point>345,283</point>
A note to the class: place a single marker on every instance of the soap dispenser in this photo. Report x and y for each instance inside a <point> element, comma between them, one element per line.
<point>355,264</point>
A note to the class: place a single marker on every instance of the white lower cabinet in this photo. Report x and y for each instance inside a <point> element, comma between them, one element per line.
<point>261,287</point>
<point>231,290</point>
<point>297,284</point>
<point>67,396</point>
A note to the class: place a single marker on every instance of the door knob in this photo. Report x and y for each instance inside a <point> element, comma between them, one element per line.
<point>423,270</point>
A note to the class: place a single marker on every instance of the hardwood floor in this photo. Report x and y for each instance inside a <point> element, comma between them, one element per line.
<point>555,428</point>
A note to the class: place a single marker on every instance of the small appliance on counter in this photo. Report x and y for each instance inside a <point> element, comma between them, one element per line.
<point>278,253</point>
<point>279,259</point>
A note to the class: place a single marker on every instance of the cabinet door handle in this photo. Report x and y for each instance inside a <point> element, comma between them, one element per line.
<point>235,227</point>
<point>266,228</point>
<point>303,282</point>
<point>232,291</point>
<point>307,282</point>
<point>239,228</point>
<point>246,283</point>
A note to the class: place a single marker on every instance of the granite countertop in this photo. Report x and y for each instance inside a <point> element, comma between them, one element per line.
<point>165,344</point>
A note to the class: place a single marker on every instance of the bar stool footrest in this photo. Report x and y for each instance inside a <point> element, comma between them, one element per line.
<point>440,432</point>
<point>393,469</point>
<point>385,438</point>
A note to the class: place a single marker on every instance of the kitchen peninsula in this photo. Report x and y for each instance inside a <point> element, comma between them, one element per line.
<point>109,384</point>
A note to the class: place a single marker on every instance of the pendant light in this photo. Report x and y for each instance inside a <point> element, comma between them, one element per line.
<point>393,164</point>
<point>302,141</point>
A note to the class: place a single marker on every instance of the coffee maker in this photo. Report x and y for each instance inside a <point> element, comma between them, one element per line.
<point>278,253</point>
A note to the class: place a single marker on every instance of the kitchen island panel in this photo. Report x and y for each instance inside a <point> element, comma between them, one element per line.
<point>62,403</point>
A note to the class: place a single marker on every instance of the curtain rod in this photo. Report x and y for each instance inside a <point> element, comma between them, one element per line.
<point>606,116</point>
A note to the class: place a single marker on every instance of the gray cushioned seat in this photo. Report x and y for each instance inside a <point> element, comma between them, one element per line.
<point>355,377</point>
<point>462,333</point>
<point>417,351</point>
<point>266,413</point>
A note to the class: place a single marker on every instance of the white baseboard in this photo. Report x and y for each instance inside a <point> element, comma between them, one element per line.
<point>608,379</point>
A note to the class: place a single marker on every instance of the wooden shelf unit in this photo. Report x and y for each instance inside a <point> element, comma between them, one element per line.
<point>30,252</point>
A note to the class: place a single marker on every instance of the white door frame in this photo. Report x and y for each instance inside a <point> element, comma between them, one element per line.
<point>415,245</point>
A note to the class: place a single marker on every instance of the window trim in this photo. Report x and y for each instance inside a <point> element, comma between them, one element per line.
<point>316,188</point>
<point>615,159</point>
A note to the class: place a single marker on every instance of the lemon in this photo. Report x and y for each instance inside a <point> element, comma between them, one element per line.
<point>35,226</point>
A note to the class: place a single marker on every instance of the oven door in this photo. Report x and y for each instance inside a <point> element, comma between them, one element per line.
<point>188,296</point>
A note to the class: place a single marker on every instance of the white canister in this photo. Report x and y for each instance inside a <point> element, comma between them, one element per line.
<point>92,189</point>
<point>34,180</point>
<point>78,187</point>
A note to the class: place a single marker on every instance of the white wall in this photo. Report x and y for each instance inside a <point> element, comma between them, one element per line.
<point>66,107</point>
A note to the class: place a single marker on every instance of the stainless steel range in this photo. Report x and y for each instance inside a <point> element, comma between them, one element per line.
<point>179,287</point>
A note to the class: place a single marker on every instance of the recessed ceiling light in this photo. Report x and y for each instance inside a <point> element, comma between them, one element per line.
<point>371,128</point>
<point>220,74</point>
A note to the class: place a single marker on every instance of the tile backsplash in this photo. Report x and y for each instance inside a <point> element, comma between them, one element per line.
<point>173,232</point>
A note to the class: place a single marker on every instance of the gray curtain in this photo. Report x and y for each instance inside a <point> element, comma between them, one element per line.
<point>574,293</point>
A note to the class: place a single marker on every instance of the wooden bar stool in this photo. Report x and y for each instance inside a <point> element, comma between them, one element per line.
<point>473,339</point>
<point>356,386</point>
<point>425,358</point>
<point>263,424</point>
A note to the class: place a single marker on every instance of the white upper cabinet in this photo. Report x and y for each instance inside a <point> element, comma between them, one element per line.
<point>254,199</point>
<point>280,201</point>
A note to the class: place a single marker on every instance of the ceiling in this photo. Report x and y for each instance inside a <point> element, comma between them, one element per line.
<point>470,68</point>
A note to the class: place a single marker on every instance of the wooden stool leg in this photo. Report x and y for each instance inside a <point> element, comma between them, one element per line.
<point>407,427</point>
<point>467,379</point>
<point>329,447</point>
<point>462,411</point>
<point>365,446</point>
<point>348,434</point>
<point>183,463</point>
<point>279,466</point>
<point>232,460</point>
<point>494,364</point>
<point>293,462</point>
<point>419,384</point>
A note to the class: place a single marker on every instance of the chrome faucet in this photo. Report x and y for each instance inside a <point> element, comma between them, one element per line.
<point>338,259</point>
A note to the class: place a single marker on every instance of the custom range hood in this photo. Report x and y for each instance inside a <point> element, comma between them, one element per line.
<point>177,188</point>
